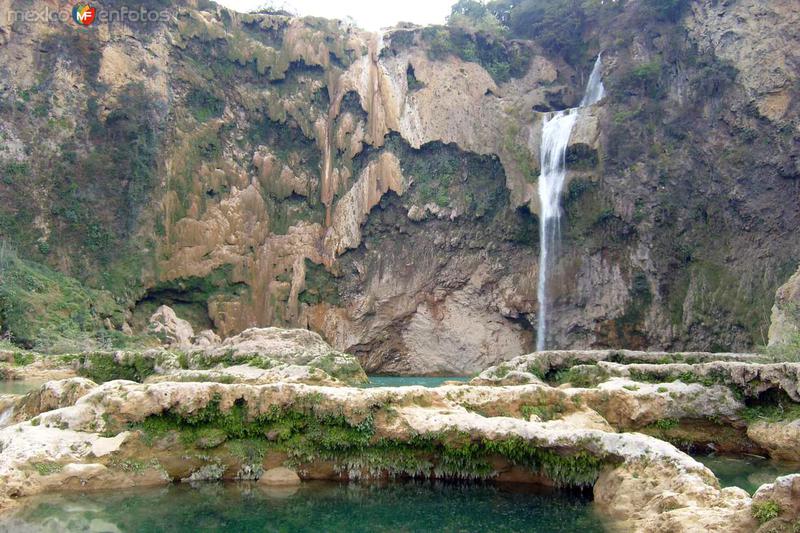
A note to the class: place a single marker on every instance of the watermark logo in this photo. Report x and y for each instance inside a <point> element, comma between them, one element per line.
<point>83,14</point>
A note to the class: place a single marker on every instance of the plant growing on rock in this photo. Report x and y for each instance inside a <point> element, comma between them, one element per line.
<point>765,511</point>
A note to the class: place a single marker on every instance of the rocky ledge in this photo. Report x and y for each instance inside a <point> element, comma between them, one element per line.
<point>740,403</point>
<point>216,415</point>
<point>124,434</point>
<point>257,355</point>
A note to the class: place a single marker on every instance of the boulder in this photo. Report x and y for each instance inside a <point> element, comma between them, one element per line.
<point>51,395</point>
<point>781,439</point>
<point>294,346</point>
<point>271,347</point>
<point>645,496</point>
<point>784,495</point>
<point>170,329</point>
<point>207,338</point>
<point>280,476</point>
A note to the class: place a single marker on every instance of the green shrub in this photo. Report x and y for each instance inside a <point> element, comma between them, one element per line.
<point>320,286</point>
<point>665,424</point>
<point>644,79</point>
<point>765,511</point>
<point>502,59</point>
<point>40,307</point>
<point>204,105</point>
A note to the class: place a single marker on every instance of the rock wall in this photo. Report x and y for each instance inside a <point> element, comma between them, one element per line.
<point>784,329</point>
<point>253,170</point>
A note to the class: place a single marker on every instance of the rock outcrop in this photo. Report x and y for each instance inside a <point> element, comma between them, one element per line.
<point>778,504</point>
<point>264,170</point>
<point>784,328</point>
<point>425,423</point>
<point>50,396</point>
<point>279,477</point>
<point>780,438</point>
<point>753,36</point>
<point>277,425</point>
<point>736,403</point>
<point>530,368</point>
<point>257,355</point>
<point>170,329</point>
<point>650,497</point>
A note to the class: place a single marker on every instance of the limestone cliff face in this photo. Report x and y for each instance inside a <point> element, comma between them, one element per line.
<point>784,328</point>
<point>254,170</point>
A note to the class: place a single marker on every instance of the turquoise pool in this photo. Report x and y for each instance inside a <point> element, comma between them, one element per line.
<point>313,507</point>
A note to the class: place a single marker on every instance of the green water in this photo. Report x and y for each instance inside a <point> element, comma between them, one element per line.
<point>313,507</point>
<point>18,387</point>
<point>746,471</point>
<point>405,381</point>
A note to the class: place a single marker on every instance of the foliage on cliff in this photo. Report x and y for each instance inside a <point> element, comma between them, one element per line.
<point>46,310</point>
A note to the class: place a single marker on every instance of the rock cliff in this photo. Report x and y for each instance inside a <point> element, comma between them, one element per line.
<point>261,170</point>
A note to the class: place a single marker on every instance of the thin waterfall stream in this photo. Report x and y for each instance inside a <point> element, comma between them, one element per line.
<point>556,130</point>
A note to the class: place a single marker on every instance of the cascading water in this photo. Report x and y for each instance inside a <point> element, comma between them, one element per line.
<point>595,91</point>
<point>556,130</point>
<point>6,416</point>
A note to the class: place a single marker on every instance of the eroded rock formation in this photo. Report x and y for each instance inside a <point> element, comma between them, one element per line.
<point>255,170</point>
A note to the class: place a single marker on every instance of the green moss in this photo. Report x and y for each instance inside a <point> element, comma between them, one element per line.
<point>448,177</point>
<point>320,286</point>
<point>779,411</point>
<point>709,380</point>
<point>548,411</point>
<point>101,367</point>
<point>519,151</point>
<point>208,438</point>
<point>306,434</point>
<point>720,291</point>
<point>665,424</point>
<point>582,376</point>
<point>47,468</point>
<point>574,469</point>
<point>42,308</point>
<point>23,358</point>
<point>349,371</point>
<point>786,351</point>
<point>502,59</point>
<point>628,329</point>
<point>502,371</point>
<point>204,104</point>
<point>765,511</point>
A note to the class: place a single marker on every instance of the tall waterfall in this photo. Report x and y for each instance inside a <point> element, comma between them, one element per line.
<point>556,130</point>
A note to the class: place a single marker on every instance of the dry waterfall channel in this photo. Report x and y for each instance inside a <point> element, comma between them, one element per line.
<point>555,138</point>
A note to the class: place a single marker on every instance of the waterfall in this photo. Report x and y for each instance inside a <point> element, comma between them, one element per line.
<point>594,89</point>
<point>556,130</point>
<point>6,416</point>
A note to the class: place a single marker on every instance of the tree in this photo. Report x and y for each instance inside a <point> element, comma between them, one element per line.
<point>474,16</point>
